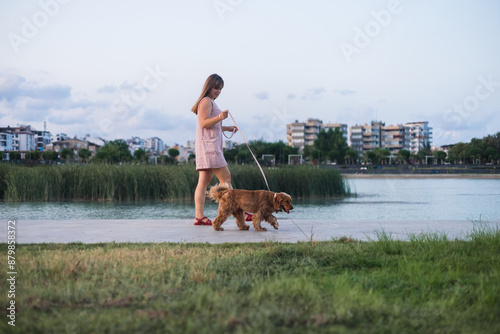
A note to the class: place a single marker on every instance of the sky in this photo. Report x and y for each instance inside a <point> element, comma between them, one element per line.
<point>117,69</point>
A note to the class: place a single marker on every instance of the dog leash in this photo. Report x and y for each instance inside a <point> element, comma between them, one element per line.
<point>253,155</point>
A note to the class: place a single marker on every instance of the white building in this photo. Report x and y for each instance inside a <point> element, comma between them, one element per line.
<point>23,139</point>
<point>42,139</point>
<point>154,145</point>
<point>300,134</point>
<point>6,139</point>
<point>418,135</point>
<point>136,143</point>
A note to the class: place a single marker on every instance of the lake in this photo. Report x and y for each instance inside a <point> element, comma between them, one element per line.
<point>374,199</point>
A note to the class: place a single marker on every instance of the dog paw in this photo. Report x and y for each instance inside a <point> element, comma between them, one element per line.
<point>219,228</point>
<point>244,228</point>
<point>262,229</point>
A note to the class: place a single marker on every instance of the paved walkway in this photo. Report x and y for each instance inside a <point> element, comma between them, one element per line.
<point>95,231</point>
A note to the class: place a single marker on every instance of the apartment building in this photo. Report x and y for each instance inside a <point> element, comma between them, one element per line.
<point>394,137</point>
<point>300,134</point>
<point>6,139</point>
<point>418,135</point>
<point>42,139</point>
<point>154,145</point>
<point>73,144</point>
<point>136,143</point>
<point>366,137</point>
<point>24,139</point>
<point>413,136</point>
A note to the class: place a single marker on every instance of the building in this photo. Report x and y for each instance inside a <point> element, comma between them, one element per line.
<point>136,143</point>
<point>413,136</point>
<point>154,145</point>
<point>394,137</point>
<point>23,139</point>
<point>366,138</point>
<point>75,145</point>
<point>418,136</point>
<point>42,139</point>
<point>300,134</point>
<point>184,151</point>
<point>6,139</point>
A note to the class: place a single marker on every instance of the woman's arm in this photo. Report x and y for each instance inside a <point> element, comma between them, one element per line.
<point>204,111</point>
<point>229,128</point>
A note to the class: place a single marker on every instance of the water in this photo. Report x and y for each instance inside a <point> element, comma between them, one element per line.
<point>377,199</point>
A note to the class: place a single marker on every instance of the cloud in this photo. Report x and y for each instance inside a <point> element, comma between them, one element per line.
<point>345,92</point>
<point>291,96</point>
<point>13,87</point>
<point>110,89</point>
<point>313,94</point>
<point>262,95</point>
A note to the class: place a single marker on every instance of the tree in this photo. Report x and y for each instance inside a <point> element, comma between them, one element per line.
<point>333,140</point>
<point>403,156</point>
<point>333,155</point>
<point>440,155</point>
<point>140,155</point>
<point>491,153</point>
<point>459,153</point>
<point>84,154</point>
<point>370,156</point>
<point>50,155</point>
<point>67,153</point>
<point>173,152</point>
<point>115,151</point>
<point>381,155</point>
<point>420,156</point>
<point>352,155</point>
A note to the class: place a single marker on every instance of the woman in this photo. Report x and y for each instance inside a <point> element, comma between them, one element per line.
<point>209,157</point>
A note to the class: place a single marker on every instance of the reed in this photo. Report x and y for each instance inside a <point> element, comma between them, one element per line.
<point>154,183</point>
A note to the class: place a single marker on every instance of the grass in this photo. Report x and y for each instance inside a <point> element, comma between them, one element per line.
<point>95,182</point>
<point>426,285</point>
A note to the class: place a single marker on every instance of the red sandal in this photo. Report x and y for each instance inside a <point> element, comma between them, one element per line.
<point>248,217</point>
<point>202,221</point>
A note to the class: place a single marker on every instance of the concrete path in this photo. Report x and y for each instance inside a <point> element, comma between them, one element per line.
<point>95,231</point>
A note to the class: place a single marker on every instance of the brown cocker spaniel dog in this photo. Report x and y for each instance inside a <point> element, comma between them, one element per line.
<point>261,203</point>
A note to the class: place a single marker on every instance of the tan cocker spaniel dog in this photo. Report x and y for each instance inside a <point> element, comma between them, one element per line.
<point>261,203</point>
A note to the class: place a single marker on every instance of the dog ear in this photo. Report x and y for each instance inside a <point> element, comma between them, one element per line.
<point>277,201</point>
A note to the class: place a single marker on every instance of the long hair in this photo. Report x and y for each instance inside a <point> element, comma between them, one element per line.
<point>213,81</point>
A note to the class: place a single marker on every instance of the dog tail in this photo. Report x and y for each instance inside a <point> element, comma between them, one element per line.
<point>216,192</point>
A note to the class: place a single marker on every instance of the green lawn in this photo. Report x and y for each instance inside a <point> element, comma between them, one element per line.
<point>426,285</point>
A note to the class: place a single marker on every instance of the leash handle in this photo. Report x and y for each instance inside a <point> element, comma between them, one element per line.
<point>232,134</point>
<point>253,155</point>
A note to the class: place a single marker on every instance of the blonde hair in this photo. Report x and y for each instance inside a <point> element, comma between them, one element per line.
<point>213,81</point>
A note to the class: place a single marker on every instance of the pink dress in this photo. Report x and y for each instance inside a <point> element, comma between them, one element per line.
<point>208,145</point>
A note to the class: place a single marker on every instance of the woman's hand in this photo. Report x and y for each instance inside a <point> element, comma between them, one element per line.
<point>230,128</point>
<point>224,114</point>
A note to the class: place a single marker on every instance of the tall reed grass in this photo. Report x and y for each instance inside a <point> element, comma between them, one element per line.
<point>157,183</point>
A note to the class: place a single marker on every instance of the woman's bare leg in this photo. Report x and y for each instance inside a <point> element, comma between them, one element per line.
<point>201,192</point>
<point>223,175</point>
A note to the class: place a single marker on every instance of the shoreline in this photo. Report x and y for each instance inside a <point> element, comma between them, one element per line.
<point>421,176</point>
